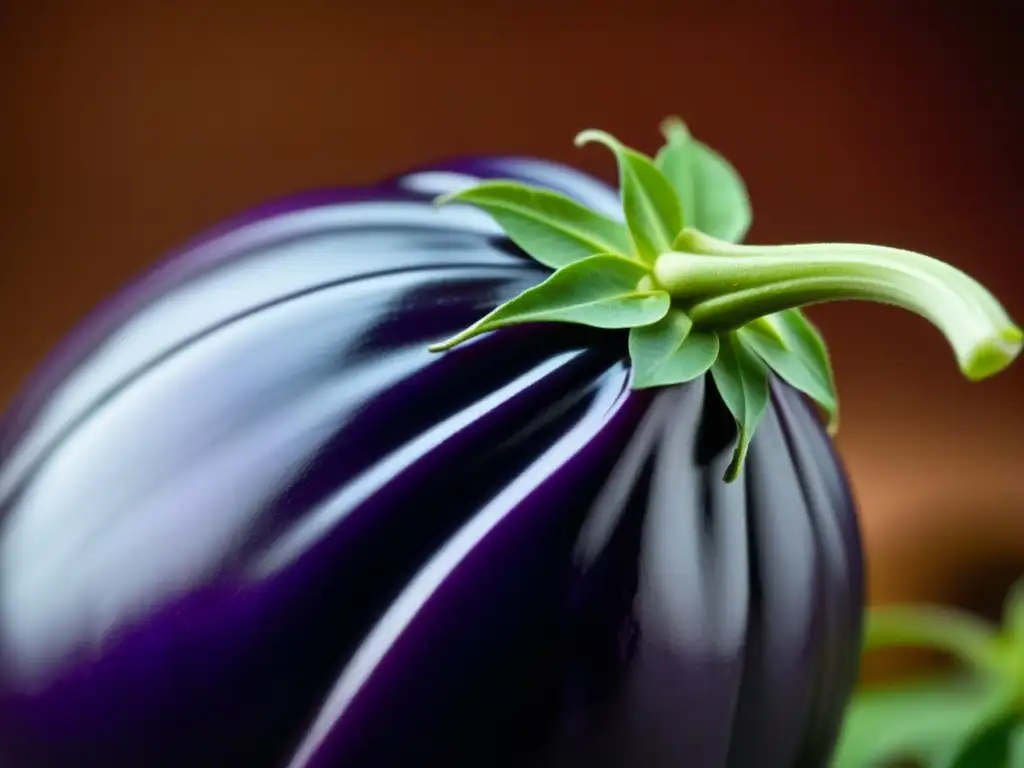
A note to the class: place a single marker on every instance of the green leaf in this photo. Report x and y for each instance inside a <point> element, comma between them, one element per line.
<point>648,200</point>
<point>599,291</point>
<point>711,192</point>
<point>767,328</point>
<point>919,721</point>
<point>669,352</point>
<point>742,380</point>
<point>552,228</point>
<point>676,162</point>
<point>801,359</point>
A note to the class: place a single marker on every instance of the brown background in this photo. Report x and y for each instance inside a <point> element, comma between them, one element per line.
<point>126,128</point>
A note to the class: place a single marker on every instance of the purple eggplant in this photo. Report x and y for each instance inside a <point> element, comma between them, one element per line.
<point>248,519</point>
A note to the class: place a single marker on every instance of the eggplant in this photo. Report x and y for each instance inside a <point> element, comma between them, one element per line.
<point>248,518</point>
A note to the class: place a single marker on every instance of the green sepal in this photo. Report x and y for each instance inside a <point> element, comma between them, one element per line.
<point>742,380</point>
<point>670,352</point>
<point>552,228</point>
<point>711,193</point>
<point>763,326</point>
<point>649,203</point>
<point>599,291</point>
<point>794,349</point>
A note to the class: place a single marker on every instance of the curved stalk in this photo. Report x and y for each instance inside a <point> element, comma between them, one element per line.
<point>723,285</point>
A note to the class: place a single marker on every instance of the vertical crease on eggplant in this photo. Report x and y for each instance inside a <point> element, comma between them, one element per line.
<point>813,753</point>
<point>828,708</point>
<point>602,634</point>
<point>337,463</point>
<point>725,554</point>
<point>778,515</point>
<point>753,636</point>
<point>621,483</point>
<point>717,428</point>
<point>410,547</point>
<point>590,363</point>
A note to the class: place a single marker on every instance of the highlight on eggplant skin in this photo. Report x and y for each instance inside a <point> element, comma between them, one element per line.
<point>247,519</point>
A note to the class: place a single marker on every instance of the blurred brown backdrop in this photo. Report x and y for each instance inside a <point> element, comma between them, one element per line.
<point>127,127</point>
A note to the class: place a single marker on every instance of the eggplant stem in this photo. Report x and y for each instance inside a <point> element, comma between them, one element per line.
<point>723,286</point>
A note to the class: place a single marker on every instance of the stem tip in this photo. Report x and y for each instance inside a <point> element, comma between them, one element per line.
<point>994,354</point>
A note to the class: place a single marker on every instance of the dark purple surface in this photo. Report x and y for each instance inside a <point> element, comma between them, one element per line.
<point>246,519</point>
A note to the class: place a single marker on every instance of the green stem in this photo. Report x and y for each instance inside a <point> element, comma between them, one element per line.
<point>723,286</point>
<point>967,638</point>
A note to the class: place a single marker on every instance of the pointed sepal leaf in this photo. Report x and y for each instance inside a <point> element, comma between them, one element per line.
<point>675,160</point>
<point>552,228</point>
<point>670,351</point>
<point>742,380</point>
<point>793,348</point>
<point>763,326</point>
<point>599,291</point>
<point>649,203</point>
<point>711,192</point>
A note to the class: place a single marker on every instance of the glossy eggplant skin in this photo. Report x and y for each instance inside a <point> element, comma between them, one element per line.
<point>247,519</point>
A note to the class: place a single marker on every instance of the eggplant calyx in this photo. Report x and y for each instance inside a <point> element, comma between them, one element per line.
<point>670,271</point>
